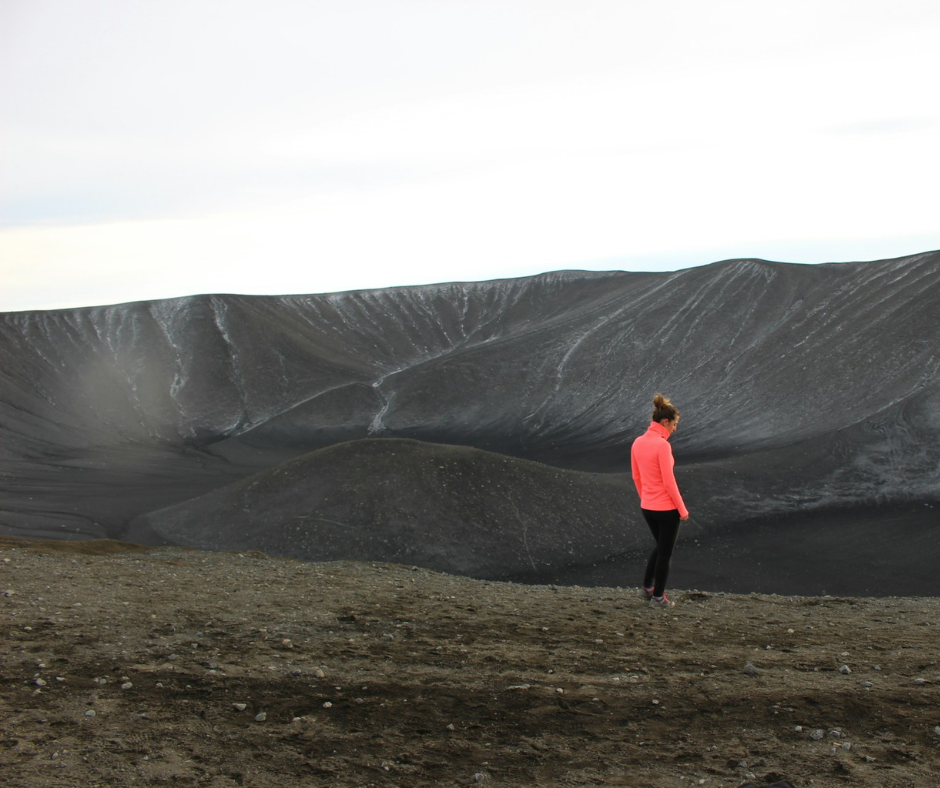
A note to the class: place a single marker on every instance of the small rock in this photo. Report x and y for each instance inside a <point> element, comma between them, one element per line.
<point>286,643</point>
<point>750,669</point>
<point>40,683</point>
<point>126,685</point>
<point>240,706</point>
<point>261,717</point>
<point>845,670</point>
<point>937,730</point>
<point>817,734</point>
<point>920,682</point>
<point>327,705</point>
<point>866,684</point>
<point>319,673</point>
<point>451,727</point>
<point>90,713</point>
<point>479,777</point>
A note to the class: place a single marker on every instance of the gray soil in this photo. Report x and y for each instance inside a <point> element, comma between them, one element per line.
<point>124,665</point>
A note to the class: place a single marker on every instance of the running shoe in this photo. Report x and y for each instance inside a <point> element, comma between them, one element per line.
<point>661,602</point>
<point>646,593</point>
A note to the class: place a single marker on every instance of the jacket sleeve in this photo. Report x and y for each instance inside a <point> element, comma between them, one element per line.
<point>636,473</point>
<point>666,463</point>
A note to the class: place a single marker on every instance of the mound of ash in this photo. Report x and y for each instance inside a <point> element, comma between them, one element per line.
<point>453,509</point>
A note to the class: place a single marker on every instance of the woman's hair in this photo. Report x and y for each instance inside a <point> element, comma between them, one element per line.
<point>663,408</point>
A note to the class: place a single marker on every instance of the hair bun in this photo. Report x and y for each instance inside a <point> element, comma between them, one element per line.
<point>663,408</point>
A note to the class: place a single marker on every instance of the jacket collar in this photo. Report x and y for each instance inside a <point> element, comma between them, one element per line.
<point>658,429</point>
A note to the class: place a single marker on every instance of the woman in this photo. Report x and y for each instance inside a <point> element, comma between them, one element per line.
<point>660,501</point>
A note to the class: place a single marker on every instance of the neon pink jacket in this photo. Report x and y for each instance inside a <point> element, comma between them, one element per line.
<point>652,460</point>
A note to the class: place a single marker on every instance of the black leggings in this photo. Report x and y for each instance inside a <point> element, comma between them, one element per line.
<point>665,528</point>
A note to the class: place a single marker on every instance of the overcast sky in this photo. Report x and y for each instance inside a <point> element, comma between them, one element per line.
<point>160,148</point>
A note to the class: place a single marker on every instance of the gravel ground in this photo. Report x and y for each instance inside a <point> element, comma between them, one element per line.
<point>130,666</point>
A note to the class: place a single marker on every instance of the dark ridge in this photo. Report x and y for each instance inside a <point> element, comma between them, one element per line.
<point>449,508</point>
<point>803,389</point>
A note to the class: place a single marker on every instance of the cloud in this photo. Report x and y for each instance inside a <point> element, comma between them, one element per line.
<point>153,150</point>
<point>887,126</point>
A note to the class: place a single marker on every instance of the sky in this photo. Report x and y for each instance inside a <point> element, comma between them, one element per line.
<point>164,148</point>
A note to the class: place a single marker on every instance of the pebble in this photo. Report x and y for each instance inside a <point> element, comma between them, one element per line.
<point>817,734</point>
<point>240,706</point>
<point>261,717</point>
<point>126,685</point>
<point>750,669</point>
<point>845,670</point>
<point>90,713</point>
<point>937,730</point>
<point>319,673</point>
<point>920,682</point>
<point>40,683</point>
<point>327,705</point>
<point>866,684</point>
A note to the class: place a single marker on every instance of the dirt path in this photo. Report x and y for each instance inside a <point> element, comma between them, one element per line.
<point>176,667</point>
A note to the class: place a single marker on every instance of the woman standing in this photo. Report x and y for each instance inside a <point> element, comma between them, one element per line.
<point>660,501</point>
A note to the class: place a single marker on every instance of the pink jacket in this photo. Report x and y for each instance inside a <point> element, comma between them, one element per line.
<point>652,460</point>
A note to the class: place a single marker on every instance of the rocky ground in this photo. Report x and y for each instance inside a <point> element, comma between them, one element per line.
<point>130,666</point>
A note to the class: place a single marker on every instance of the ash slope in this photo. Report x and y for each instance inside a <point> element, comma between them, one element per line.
<point>803,388</point>
<point>449,508</point>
